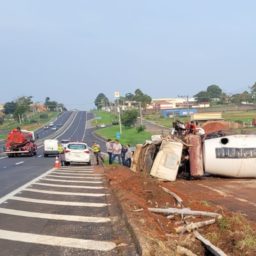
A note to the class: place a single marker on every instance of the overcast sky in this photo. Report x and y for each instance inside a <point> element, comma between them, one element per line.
<point>73,50</point>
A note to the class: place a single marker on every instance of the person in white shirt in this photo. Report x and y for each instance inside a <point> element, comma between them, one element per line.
<point>117,148</point>
<point>109,146</point>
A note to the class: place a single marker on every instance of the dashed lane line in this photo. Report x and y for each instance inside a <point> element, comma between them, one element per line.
<point>71,181</point>
<point>52,192</point>
<point>39,215</point>
<point>66,203</point>
<point>3,157</point>
<point>19,163</point>
<point>57,241</point>
<point>72,177</point>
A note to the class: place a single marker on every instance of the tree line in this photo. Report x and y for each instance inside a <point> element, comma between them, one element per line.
<point>213,95</point>
<point>20,107</point>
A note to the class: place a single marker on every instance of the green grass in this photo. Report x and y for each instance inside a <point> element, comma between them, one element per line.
<point>105,117</point>
<point>128,136</point>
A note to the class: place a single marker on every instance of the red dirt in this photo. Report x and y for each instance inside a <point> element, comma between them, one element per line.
<point>136,192</point>
<point>214,126</point>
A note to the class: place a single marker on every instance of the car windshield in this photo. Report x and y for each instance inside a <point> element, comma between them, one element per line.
<point>77,146</point>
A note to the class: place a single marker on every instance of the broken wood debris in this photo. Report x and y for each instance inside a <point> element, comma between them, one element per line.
<point>195,225</point>
<point>213,249</point>
<point>177,198</point>
<point>184,211</point>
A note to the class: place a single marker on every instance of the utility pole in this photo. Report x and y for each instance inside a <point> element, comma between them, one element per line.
<point>119,116</point>
<point>140,114</point>
<point>117,96</point>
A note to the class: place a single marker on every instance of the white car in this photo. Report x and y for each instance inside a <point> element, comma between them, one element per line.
<point>77,152</point>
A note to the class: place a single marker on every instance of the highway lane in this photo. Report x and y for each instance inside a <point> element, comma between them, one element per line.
<point>59,212</point>
<point>16,171</point>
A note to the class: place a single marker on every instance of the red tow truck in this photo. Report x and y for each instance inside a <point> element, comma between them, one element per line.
<point>20,142</point>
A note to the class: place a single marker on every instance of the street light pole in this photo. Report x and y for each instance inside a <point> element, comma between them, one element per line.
<point>119,116</point>
<point>117,96</point>
<point>140,113</point>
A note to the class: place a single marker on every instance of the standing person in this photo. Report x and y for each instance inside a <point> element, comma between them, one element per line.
<point>61,154</point>
<point>109,146</point>
<point>128,157</point>
<point>117,148</point>
<point>123,152</point>
<point>96,151</point>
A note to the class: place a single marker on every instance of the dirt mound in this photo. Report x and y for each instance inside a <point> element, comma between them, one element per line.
<point>214,126</point>
<point>156,233</point>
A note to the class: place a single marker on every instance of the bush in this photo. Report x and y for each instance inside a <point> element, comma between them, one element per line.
<point>32,121</point>
<point>141,128</point>
<point>129,117</point>
<point>43,116</point>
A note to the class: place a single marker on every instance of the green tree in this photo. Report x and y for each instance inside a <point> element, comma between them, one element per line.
<point>22,107</point>
<point>51,105</point>
<point>101,101</point>
<point>129,96</point>
<point>9,107</point>
<point>214,91</point>
<point>139,96</point>
<point>129,117</point>
<point>202,96</point>
<point>241,97</point>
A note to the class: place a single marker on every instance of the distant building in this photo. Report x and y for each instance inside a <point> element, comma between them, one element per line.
<point>38,107</point>
<point>1,107</point>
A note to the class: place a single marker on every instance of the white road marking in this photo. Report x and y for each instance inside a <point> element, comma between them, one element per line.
<point>18,163</point>
<point>66,203</point>
<point>90,169</point>
<point>214,189</point>
<point>18,190</point>
<point>52,192</point>
<point>62,180</point>
<point>3,157</point>
<point>77,177</point>
<point>49,216</point>
<point>76,174</point>
<point>39,156</point>
<point>63,186</point>
<point>5,167</point>
<point>57,241</point>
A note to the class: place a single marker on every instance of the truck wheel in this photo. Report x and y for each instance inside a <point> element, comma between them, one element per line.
<point>66,163</point>
<point>10,155</point>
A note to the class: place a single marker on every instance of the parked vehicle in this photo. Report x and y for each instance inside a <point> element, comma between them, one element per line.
<point>64,142</point>
<point>20,142</point>
<point>51,147</point>
<point>77,152</point>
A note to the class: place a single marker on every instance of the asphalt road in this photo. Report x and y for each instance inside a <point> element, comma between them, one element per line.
<point>44,211</point>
